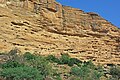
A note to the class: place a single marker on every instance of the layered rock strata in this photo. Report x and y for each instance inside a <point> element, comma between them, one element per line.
<point>46,27</point>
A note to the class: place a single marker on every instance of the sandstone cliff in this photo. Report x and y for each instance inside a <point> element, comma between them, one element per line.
<point>47,27</point>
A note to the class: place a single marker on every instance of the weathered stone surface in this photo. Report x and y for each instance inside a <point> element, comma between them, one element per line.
<point>57,29</point>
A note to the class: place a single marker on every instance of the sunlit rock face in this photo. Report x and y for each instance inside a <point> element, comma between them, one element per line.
<point>46,27</point>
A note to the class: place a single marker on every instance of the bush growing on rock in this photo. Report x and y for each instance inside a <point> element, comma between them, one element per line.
<point>21,73</point>
<point>73,61</point>
<point>65,58</point>
<point>86,72</point>
<point>11,64</point>
<point>115,72</point>
<point>52,58</point>
<point>36,67</point>
<point>28,56</point>
<point>81,72</point>
<point>32,66</point>
<point>41,64</point>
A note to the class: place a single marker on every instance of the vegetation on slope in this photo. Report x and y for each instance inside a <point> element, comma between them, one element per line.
<point>36,67</point>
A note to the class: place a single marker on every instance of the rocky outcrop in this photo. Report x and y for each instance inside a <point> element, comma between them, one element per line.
<point>46,27</point>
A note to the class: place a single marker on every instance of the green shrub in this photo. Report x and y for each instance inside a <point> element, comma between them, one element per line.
<point>95,75</point>
<point>75,71</point>
<point>82,72</point>
<point>41,64</point>
<point>65,58</point>
<point>52,58</point>
<point>21,73</point>
<point>85,73</point>
<point>73,61</point>
<point>37,62</point>
<point>11,64</point>
<point>115,72</point>
<point>29,56</point>
<point>89,64</point>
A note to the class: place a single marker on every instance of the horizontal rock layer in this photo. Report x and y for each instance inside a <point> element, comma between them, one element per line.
<point>51,28</point>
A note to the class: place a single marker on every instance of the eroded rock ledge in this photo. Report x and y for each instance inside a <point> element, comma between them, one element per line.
<point>55,29</point>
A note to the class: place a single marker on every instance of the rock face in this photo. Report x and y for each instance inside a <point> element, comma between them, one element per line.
<point>46,27</point>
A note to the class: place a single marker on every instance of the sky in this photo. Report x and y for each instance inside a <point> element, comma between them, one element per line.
<point>108,9</point>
